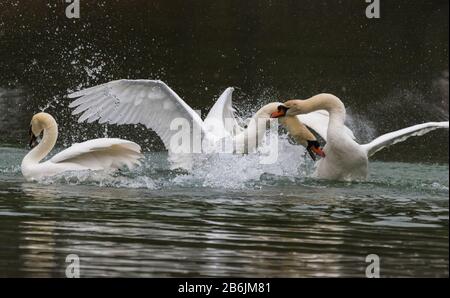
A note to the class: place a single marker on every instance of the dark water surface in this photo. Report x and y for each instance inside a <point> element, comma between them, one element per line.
<point>231,216</point>
<point>390,72</point>
<point>154,222</point>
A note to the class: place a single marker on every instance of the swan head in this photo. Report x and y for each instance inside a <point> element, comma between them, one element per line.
<point>289,108</point>
<point>322,101</point>
<point>38,124</point>
<point>313,148</point>
<point>269,108</point>
<point>302,135</point>
<point>33,142</point>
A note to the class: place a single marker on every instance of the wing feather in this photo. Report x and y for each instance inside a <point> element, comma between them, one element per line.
<point>221,119</point>
<point>401,135</point>
<point>148,102</point>
<point>105,153</point>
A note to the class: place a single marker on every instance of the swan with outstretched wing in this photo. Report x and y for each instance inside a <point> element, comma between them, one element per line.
<point>155,105</point>
<point>147,102</point>
<point>344,158</point>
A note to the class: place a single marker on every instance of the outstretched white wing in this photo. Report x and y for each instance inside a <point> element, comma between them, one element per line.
<point>148,102</point>
<point>101,154</point>
<point>318,121</point>
<point>401,135</point>
<point>221,120</point>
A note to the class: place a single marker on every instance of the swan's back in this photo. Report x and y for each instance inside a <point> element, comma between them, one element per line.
<point>100,154</point>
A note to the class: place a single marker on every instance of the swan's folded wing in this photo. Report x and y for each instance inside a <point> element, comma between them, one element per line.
<point>318,121</point>
<point>221,120</point>
<point>401,135</point>
<point>105,153</point>
<point>147,102</point>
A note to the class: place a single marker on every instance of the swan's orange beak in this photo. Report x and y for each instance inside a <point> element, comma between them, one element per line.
<point>314,147</point>
<point>277,114</point>
<point>280,113</point>
<point>318,151</point>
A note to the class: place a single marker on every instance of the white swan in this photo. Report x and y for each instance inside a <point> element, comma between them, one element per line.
<point>153,104</point>
<point>345,159</point>
<point>98,154</point>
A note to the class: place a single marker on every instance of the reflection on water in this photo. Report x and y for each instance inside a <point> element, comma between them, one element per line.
<point>276,225</point>
<point>230,216</point>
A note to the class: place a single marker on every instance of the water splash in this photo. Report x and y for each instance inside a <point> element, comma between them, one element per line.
<point>363,129</point>
<point>245,171</point>
<point>210,170</point>
<point>440,87</point>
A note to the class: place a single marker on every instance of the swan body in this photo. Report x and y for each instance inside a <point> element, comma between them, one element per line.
<point>99,154</point>
<point>345,159</point>
<point>155,105</point>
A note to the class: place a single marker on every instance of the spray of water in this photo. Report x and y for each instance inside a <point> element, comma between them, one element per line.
<point>220,170</point>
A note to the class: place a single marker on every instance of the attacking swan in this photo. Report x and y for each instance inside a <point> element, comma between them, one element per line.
<point>97,154</point>
<point>153,104</point>
<point>345,159</point>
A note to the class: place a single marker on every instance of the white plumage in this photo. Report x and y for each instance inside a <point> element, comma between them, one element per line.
<point>345,159</point>
<point>103,154</point>
<point>153,104</point>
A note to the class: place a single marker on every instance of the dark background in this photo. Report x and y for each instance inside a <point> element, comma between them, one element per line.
<point>390,72</point>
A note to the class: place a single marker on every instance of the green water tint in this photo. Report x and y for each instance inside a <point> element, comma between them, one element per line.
<point>156,222</point>
<point>230,216</point>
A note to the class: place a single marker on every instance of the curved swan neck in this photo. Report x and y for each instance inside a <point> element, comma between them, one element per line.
<point>297,130</point>
<point>252,136</point>
<point>47,143</point>
<point>324,101</point>
<point>258,123</point>
<point>332,104</point>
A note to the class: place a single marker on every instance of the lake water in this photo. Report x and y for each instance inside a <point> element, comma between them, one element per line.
<point>229,217</point>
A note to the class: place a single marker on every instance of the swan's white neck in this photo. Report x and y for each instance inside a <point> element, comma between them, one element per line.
<point>252,136</point>
<point>45,146</point>
<point>258,124</point>
<point>334,106</point>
